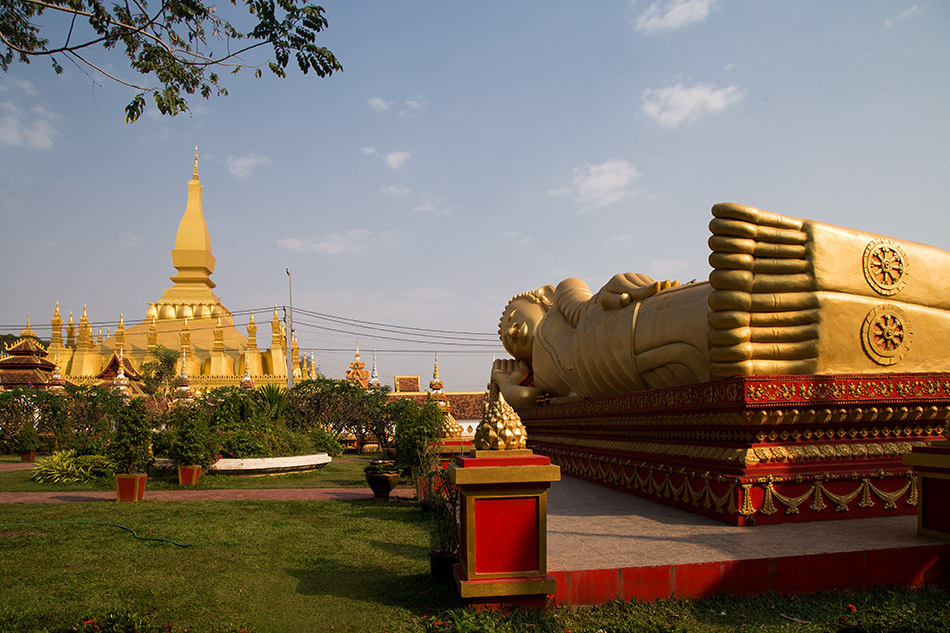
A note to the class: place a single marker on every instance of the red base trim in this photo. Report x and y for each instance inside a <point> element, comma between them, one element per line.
<point>851,571</point>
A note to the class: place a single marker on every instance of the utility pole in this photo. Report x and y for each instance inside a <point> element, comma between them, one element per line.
<point>289,318</point>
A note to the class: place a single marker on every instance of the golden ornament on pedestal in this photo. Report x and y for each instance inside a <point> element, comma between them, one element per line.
<point>500,428</point>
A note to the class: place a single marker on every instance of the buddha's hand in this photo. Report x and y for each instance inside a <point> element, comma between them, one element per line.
<point>506,372</point>
<point>626,288</point>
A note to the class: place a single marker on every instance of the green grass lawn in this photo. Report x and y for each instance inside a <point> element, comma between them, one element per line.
<point>272,566</point>
<point>289,566</point>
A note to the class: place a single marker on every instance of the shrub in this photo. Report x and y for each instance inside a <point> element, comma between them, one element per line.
<point>416,430</point>
<point>65,467</point>
<point>192,443</point>
<point>130,444</point>
<point>325,442</point>
<point>28,439</point>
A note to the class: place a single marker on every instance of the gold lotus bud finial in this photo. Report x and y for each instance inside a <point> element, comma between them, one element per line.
<point>195,172</point>
<point>450,426</point>
<point>501,427</point>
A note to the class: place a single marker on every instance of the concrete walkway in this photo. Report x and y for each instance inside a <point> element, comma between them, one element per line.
<point>318,494</point>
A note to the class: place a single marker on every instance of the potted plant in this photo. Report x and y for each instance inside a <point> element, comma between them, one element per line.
<point>28,440</point>
<point>192,443</point>
<point>442,499</point>
<point>130,450</point>
<point>382,476</point>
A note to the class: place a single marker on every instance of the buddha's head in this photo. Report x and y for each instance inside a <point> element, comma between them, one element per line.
<point>521,317</point>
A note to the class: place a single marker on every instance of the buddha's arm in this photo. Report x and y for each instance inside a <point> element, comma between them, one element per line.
<point>572,298</point>
<point>626,288</point>
<point>508,375</point>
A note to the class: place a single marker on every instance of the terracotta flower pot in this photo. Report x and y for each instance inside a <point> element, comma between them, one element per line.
<point>382,484</point>
<point>129,487</point>
<point>188,475</point>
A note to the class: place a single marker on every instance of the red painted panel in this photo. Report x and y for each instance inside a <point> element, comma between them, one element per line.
<point>696,580</point>
<point>887,567</point>
<point>795,574</point>
<point>646,583</point>
<point>841,570</point>
<point>749,577</point>
<point>593,586</point>
<point>934,509</point>
<point>506,535</point>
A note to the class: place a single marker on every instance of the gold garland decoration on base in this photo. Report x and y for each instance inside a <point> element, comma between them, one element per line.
<point>658,482</point>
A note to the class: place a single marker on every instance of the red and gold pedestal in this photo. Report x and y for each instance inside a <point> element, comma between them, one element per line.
<point>932,466</point>
<point>449,447</point>
<point>755,449</point>
<point>504,527</point>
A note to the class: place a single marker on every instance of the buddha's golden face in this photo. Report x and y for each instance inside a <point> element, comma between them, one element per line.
<point>518,324</point>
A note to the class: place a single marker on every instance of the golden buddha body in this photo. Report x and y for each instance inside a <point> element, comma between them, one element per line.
<point>786,296</point>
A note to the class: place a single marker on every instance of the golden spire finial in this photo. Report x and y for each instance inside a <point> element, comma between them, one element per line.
<point>56,313</point>
<point>251,320</point>
<point>70,316</point>
<point>121,322</point>
<point>195,173</point>
<point>83,311</point>
<point>435,372</point>
<point>28,331</point>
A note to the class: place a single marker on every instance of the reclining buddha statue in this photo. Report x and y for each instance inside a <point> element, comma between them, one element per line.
<point>786,296</point>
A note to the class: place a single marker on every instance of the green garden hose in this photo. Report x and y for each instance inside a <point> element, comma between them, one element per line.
<point>128,529</point>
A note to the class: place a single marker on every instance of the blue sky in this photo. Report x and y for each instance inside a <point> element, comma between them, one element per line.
<point>470,151</point>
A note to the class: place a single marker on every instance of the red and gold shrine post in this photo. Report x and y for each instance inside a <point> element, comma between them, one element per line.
<point>932,467</point>
<point>503,489</point>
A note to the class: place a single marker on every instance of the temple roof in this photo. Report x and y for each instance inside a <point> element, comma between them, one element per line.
<point>25,364</point>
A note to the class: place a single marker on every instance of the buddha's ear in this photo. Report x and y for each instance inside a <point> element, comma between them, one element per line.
<point>546,293</point>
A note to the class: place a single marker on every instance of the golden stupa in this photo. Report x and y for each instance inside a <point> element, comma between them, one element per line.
<point>189,318</point>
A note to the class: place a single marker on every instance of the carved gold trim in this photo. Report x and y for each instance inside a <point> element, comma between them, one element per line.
<point>783,416</point>
<point>741,456</point>
<point>886,335</point>
<point>885,266</point>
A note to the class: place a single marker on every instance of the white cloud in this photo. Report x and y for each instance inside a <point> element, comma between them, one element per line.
<point>352,241</point>
<point>618,240</point>
<point>396,159</point>
<point>393,159</point>
<point>906,13</point>
<point>241,166</point>
<point>432,204</point>
<point>673,14</point>
<point>379,104</point>
<point>597,186</point>
<point>679,104</point>
<point>34,130</point>
<point>412,107</point>
<point>395,191</point>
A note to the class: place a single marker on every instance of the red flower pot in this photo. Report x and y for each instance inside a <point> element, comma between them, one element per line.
<point>129,487</point>
<point>188,475</point>
<point>27,456</point>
